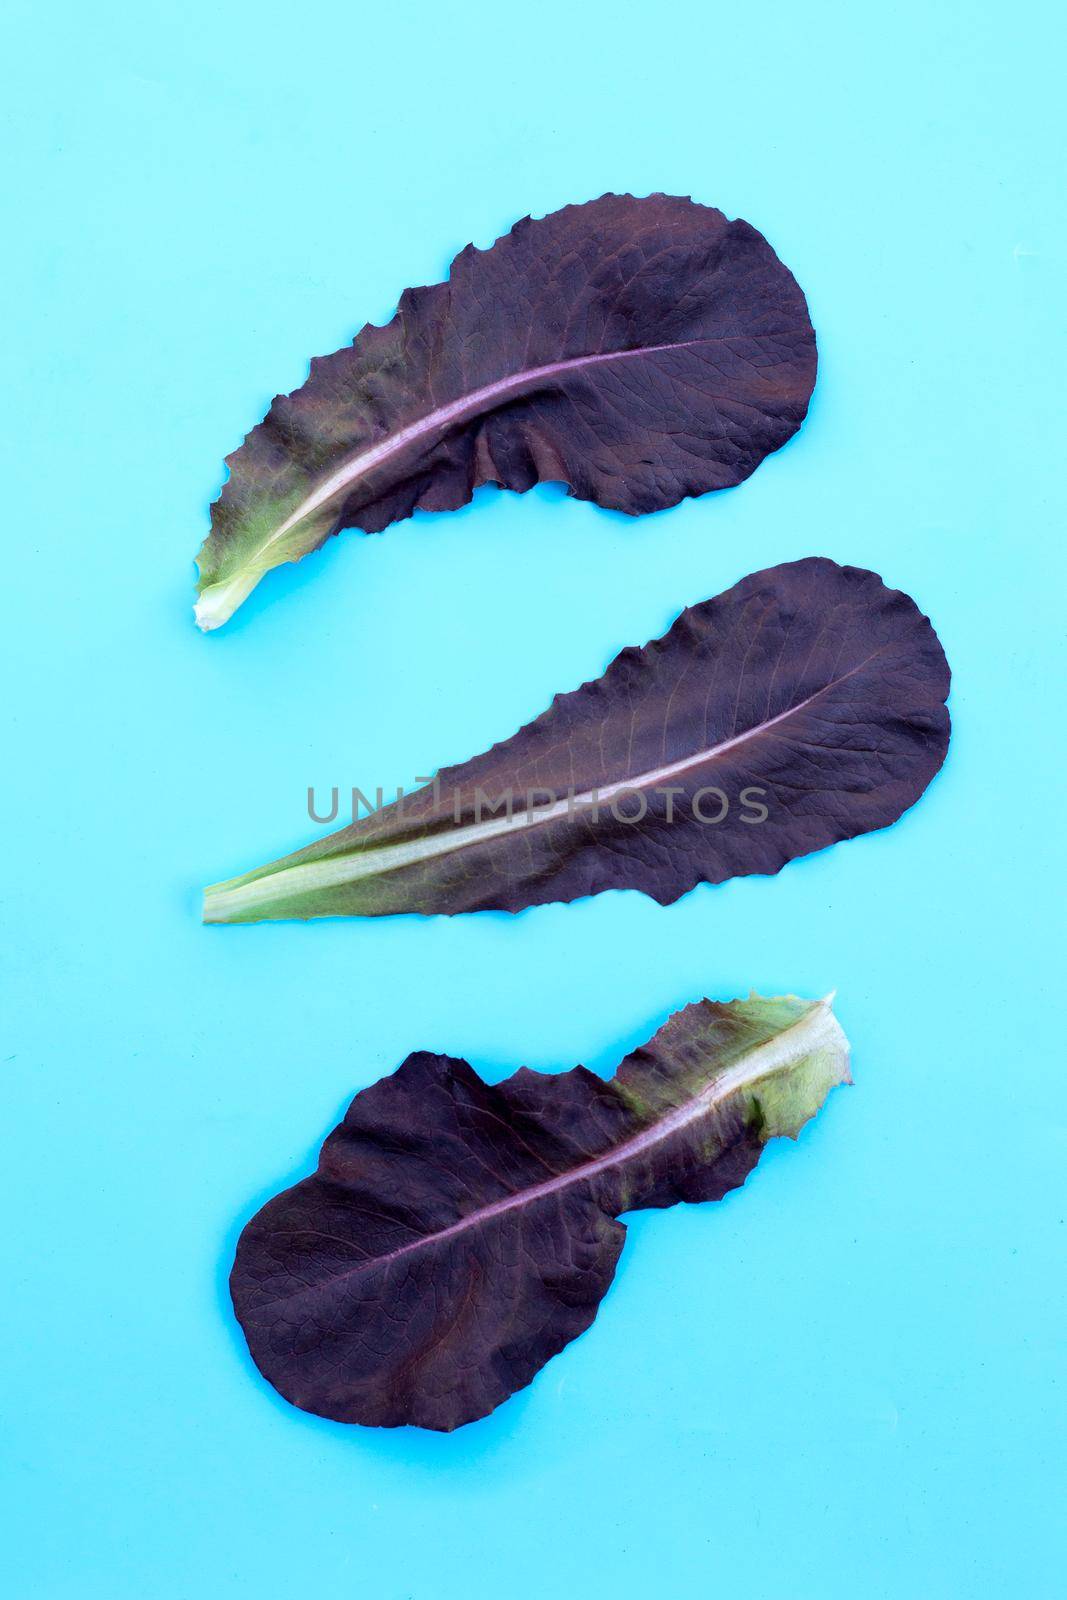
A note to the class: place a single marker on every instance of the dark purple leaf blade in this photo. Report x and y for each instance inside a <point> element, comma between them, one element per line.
<point>638,351</point>
<point>456,1235</point>
<point>810,691</point>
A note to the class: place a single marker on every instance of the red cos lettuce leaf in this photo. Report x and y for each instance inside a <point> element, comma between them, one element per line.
<point>637,350</point>
<point>809,692</point>
<point>457,1235</point>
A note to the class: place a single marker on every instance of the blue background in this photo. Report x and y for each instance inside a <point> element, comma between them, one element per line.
<point>843,1381</point>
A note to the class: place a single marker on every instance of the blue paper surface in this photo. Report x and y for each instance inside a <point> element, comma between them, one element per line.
<point>845,1381</point>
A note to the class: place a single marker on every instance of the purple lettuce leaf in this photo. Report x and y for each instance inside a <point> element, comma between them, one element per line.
<point>457,1235</point>
<point>638,351</point>
<point>804,706</point>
